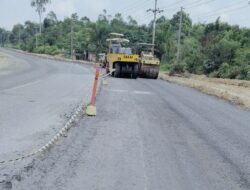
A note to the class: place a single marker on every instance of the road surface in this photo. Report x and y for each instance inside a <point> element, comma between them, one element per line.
<point>36,98</point>
<point>148,135</point>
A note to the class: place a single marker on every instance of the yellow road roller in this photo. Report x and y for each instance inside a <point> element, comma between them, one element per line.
<point>120,60</point>
<point>149,63</point>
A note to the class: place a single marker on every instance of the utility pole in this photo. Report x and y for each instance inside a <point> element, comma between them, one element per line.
<point>2,40</point>
<point>71,40</point>
<point>179,37</point>
<point>36,38</point>
<point>19,37</point>
<point>8,38</point>
<point>155,11</point>
<point>1,37</point>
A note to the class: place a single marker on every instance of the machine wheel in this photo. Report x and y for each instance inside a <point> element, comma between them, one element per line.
<point>135,72</point>
<point>117,72</point>
<point>153,73</point>
<point>156,75</point>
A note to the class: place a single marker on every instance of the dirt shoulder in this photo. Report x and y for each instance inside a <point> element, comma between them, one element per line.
<point>235,91</point>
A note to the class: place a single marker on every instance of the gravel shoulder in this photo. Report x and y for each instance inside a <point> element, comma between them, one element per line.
<point>234,91</point>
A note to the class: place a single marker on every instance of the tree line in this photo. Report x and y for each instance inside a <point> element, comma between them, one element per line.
<point>217,49</point>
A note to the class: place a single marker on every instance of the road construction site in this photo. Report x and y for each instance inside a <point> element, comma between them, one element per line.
<point>148,134</point>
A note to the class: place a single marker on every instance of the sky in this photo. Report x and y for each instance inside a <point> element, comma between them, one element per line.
<point>204,11</point>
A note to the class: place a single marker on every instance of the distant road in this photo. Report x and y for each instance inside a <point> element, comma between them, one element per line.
<point>36,97</point>
<point>150,135</point>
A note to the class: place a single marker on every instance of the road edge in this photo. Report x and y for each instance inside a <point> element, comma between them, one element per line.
<point>231,99</point>
<point>46,56</point>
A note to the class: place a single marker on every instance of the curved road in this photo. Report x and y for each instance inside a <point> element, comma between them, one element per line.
<point>36,97</point>
<point>149,135</point>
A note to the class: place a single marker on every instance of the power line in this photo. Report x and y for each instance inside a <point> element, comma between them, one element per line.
<point>243,19</point>
<point>221,9</point>
<point>191,3</point>
<point>225,11</point>
<point>144,17</point>
<point>137,9</point>
<point>200,4</point>
<point>172,4</point>
<point>130,5</point>
<point>133,6</point>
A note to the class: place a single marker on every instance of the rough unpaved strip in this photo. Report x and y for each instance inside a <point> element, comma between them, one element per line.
<point>235,91</point>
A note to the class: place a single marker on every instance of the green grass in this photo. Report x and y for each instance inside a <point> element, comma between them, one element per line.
<point>165,67</point>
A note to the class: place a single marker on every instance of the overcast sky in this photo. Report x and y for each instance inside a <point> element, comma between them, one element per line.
<point>232,11</point>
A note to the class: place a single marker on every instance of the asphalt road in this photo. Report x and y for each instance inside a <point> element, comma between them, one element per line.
<point>148,135</point>
<point>36,98</point>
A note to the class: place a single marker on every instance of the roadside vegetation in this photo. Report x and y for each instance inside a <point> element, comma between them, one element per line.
<point>216,49</point>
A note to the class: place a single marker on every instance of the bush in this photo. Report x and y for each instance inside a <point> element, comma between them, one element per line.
<point>233,72</point>
<point>177,68</point>
<point>224,70</point>
<point>39,49</point>
<point>50,50</point>
<point>244,72</point>
<point>209,66</point>
<point>214,74</point>
<point>193,65</point>
<point>165,67</point>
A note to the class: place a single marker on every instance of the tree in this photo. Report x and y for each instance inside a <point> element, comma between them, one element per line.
<point>216,49</point>
<point>15,37</point>
<point>40,9</point>
<point>192,55</point>
<point>118,24</point>
<point>186,23</point>
<point>4,35</point>
<point>165,40</point>
<point>131,21</point>
<point>84,21</point>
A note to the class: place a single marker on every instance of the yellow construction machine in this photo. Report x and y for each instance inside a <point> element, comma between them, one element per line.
<point>120,60</point>
<point>149,63</point>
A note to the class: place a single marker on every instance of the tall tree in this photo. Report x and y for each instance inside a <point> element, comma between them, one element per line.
<point>40,9</point>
